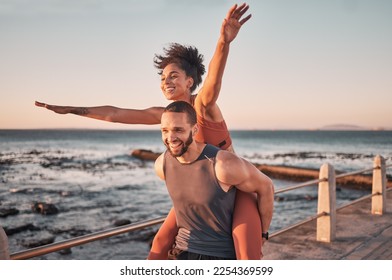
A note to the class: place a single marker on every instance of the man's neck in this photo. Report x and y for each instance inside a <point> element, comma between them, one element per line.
<point>192,154</point>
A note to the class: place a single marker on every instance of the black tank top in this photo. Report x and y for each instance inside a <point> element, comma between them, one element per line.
<point>203,209</point>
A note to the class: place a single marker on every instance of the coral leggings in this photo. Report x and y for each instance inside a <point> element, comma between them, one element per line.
<point>246,231</point>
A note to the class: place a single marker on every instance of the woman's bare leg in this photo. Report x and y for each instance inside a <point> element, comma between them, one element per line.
<point>247,227</point>
<point>164,239</point>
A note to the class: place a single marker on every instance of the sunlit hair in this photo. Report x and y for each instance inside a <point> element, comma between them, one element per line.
<point>185,57</point>
<point>183,107</point>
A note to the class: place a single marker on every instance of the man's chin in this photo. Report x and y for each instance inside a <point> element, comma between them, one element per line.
<point>176,153</point>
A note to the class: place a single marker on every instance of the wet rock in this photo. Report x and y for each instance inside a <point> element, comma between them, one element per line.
<point>4,212</point>
<point>38,242</point>
<point>288,172</point>
<point>66,251</point>
<point>11,231</point>
<point>79,232</point>
<point>34,152</point>
<point>121,222</point>
<point>145,154</point>
<point>310,197</point>
<point>44,208</point>
<point>74,232</point>
<point>279,198</point>
<point>146,235</point>
<point>293,197</point>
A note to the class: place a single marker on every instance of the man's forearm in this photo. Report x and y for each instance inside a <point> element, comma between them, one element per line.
<point>265,203</point>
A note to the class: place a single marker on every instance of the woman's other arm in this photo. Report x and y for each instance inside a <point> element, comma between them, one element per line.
<point>231,25</point>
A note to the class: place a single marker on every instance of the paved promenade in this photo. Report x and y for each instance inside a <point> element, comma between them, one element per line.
<point>359,236</point>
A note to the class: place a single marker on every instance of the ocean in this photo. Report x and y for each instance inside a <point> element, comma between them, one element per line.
<point>94,182</point>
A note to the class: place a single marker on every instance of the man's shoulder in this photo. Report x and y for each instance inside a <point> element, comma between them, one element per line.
<point>158,166</point>
<point>160,158</point>
<point>230,169</point>
<point>226,157</point>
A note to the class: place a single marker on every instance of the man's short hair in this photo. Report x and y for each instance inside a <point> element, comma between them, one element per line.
<point>183,107</point>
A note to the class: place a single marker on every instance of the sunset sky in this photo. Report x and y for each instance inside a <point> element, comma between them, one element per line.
<point>295,65</point>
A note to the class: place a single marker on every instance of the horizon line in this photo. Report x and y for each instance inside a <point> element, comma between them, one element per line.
<point>233,129</point>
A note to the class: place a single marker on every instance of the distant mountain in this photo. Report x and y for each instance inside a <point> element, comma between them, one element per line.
<point>344,127</point>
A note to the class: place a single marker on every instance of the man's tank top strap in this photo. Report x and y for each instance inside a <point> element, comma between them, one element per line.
<point>209,152</point>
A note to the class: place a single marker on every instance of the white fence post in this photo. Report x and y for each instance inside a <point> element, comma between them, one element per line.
<point>379,186</point>
<point>326,225</point>
<point>4,252</point>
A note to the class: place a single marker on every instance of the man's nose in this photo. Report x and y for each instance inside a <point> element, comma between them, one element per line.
<point>172,136</point>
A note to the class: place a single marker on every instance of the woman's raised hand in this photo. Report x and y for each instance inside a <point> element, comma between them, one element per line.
<point>233,22</point>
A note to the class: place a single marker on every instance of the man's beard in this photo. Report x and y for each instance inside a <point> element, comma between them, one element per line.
<point>184,148</point>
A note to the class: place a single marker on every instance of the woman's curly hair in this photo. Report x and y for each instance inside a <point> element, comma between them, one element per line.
<point>185,57</point>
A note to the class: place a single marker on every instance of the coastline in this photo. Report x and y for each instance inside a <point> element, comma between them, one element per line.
<point>291,173</point>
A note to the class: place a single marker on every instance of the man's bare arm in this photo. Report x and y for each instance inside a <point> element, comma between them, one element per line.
<point>232,170</point>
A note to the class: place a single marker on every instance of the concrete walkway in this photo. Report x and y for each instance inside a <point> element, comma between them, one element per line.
<point>359,236</point>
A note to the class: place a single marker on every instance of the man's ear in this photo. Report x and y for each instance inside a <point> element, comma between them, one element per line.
<point>195,129</point>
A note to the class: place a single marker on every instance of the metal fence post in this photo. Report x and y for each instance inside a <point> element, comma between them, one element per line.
<point>326,225</point>
<point>379,186</point>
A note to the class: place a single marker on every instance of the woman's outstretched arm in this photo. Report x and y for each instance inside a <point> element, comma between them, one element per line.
<point>150,115</point>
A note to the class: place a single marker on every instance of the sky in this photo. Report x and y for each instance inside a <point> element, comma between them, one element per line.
<point>296,64</point>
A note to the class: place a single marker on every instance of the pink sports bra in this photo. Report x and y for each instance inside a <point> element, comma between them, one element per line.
<point>210,132</point>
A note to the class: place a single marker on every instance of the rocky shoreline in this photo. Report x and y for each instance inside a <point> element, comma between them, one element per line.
<point>296,174</point>
<point>45,234</point>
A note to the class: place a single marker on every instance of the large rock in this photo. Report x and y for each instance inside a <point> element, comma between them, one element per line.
<point>18,229</point>
<point>286,172</point>
<point>4,212</point>
<point>300,174</point>
<point>145,154</point>
<point>44,208</point>
<point>121,222</point>
<point>32,243</point>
